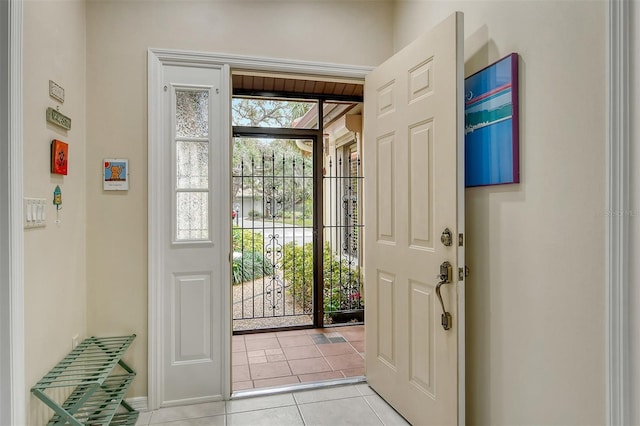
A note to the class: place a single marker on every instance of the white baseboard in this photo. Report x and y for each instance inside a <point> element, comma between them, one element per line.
<point>138,403</point>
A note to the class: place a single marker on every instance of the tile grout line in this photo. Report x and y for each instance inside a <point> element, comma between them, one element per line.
<point>298,408</point>
<point>372,409</point>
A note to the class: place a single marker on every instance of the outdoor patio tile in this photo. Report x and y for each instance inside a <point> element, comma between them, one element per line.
<point>260,403</point>
<point>247,384</point>
<point>271,343</point>
<point>277,381</point>
<point>309,365</point>
<point>336,349</point>
<point>238,345</point>
<point>317,377</point>
<point>259,352</point>
<point>354,335</point>
<point>358,346</point>
<point>240,373</point>
<point>347,361</point>
<point>326,394</point>
<point>257,359</point>
<point>291,333</point>
<point>258,336</point>
<point>239,358</point>
<point>277,357</point>
<point>270,370</point>
<point>303,340</point>
<point>320,339</point>
<point>302,352</point>
<point>387,414</point>
<point>352,411</point>
<point>353,372</point>
<point>289,416</point>
<point>312,331</point>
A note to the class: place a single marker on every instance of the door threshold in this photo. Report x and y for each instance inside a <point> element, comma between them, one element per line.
<point>298,387</point>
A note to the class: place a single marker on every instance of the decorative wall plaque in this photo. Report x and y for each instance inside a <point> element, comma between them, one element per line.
<point>59,119</point>
<point>56,91</point>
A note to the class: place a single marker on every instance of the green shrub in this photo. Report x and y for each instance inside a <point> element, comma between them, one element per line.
<point>249,266</point>
<point>247,241</point>
<point>341,284</point>
<point>253,214</point>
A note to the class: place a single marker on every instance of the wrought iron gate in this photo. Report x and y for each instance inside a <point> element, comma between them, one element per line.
<point>272,234</point>
<point>343,286</point>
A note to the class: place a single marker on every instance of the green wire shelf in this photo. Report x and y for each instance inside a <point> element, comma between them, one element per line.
<point>97,393</point>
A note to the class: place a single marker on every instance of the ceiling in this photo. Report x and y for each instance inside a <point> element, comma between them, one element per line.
<point>247,84</point>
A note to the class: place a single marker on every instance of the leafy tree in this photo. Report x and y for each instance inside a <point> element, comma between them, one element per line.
<point>264,163</point>
<point>258,112</point>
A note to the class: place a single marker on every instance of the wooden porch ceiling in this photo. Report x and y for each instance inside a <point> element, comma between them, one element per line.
<point>247,84</point>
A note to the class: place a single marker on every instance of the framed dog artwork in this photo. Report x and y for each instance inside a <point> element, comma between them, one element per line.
<point>115,176</point>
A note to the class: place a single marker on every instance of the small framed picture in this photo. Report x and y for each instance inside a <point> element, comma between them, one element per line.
<point>59,157</point>
<point>115,174</point>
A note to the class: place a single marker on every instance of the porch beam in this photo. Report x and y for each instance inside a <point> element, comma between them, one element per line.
<point>296,95</point>
<point>274,133</point>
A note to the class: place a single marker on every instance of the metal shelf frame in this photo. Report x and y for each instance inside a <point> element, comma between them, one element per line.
<point>97,393</point>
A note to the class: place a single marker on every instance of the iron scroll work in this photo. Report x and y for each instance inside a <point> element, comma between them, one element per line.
<point>274,240</point>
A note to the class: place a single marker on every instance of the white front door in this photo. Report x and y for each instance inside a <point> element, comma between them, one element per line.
<point>413,153</point>
<point>196,216</point>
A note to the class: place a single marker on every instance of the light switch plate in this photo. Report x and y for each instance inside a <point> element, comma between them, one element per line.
<point>35,212</point>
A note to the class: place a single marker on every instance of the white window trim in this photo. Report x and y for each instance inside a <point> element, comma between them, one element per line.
<point>617,250</point>
<point>13,409</point>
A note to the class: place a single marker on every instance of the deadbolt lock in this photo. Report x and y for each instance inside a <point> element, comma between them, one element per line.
<point>446,273</point>
<point>446,237</point>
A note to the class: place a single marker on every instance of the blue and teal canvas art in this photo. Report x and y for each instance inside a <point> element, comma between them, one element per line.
<point>491,124</point>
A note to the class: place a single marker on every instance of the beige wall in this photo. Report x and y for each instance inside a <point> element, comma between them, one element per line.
<point>55,256</point>
<point>536,294</point>
<point>119,34</point>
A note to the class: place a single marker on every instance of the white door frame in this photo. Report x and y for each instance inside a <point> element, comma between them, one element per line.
<point>12,370</point>
<point>157,58</point>
<point>618,371</point>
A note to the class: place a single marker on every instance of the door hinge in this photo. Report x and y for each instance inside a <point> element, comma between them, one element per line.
<point>460,240</point>
<point>460,274</point>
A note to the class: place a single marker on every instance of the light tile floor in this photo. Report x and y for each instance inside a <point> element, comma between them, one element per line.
<point>333,406</point>
<point>288,357</point>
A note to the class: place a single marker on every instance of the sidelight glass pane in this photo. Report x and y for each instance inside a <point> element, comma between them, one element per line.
<point>192,113</point>
<point>192,216</point>
<point>192,164</point>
